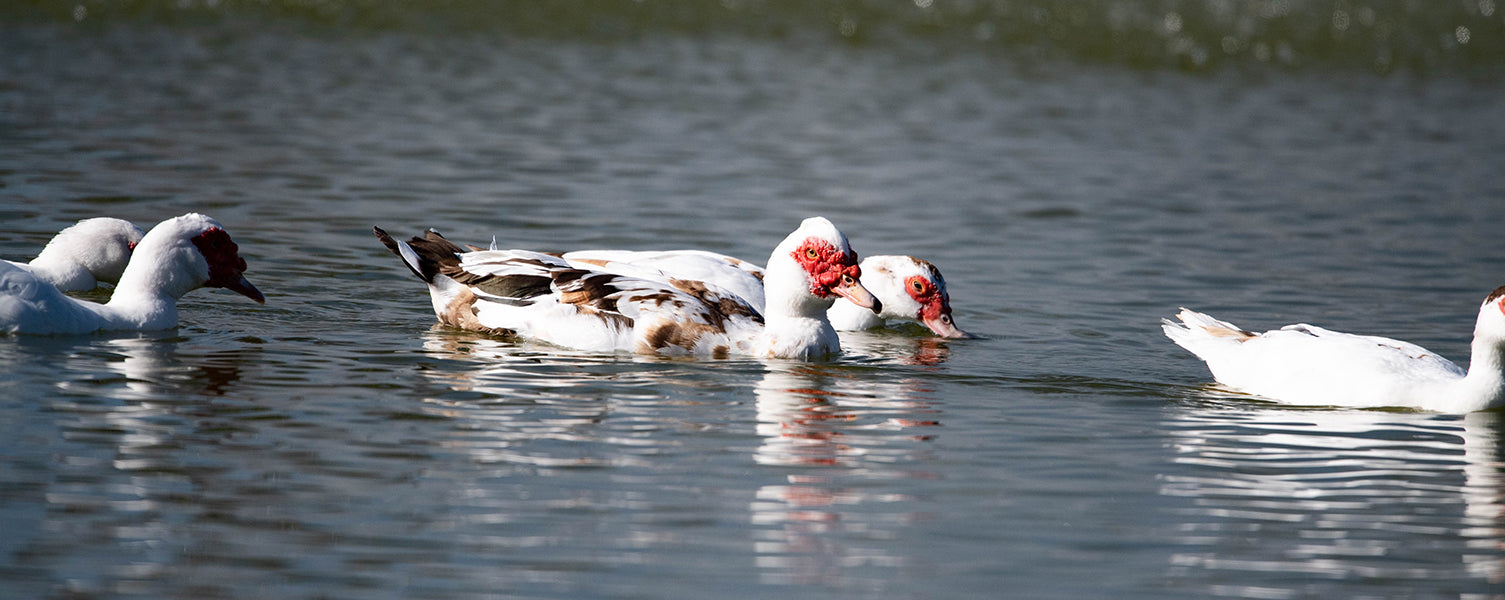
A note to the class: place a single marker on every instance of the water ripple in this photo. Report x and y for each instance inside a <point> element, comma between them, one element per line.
<point>1339,495</point>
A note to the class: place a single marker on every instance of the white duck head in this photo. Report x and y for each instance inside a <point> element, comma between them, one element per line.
<point>182,254</point>
<point>911,289</point>
<point>810,269</point>
<point>1489,329</point>
<point>102,246</point>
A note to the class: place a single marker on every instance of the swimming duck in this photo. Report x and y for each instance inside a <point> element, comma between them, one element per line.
<point>85,254</point>
<point>177,256</point>
<point>547,298</point>
<point>1309,365</point>
<point>909,289</point>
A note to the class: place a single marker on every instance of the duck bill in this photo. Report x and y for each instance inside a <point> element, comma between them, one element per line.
<point>856,294</point>
<point>243,287</point>
<point>946,328</point>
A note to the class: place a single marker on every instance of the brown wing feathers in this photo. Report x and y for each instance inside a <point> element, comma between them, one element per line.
<point>521,278</point>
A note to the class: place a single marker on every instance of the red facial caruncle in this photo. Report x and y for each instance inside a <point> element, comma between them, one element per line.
<point>826,265</point>
<point>225,263</point>
<point>226,267</point>
<point>933,301</point>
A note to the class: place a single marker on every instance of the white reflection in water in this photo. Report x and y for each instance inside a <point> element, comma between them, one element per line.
<point>836,432</point>
<point>533,406</point>
<point>839,442</point>
<point>126,434</point>
<point>1280,499</point>
<point>142,408</point>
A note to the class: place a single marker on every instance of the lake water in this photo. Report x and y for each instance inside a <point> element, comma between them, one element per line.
<point>335,444</point>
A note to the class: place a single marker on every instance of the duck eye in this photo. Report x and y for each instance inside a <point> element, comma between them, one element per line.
<point>919,286</point>
<point>811,254</point>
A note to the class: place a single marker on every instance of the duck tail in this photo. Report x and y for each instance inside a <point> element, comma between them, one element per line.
<point>425,256</point>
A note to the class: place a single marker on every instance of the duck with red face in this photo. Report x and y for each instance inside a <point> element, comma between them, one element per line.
<point>904,288</point>
<point>806,274</point>
<point>599,304</point>
<point>834,272</point>
<point>909,289</point>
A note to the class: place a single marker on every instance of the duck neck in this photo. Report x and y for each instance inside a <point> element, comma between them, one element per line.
<point>1484,386</point>
<point>784,298</point>
<point>850,317</point>
<point>795,324</point>
<point>148,292</point>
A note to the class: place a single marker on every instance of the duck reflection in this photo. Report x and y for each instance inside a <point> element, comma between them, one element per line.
<point>151,367</point>
<point>120,445</point>
<point>490,368</point>
<point>836,429</point>
<point>153,399</point>
<point>542,406</point>
<point>920,350</point>
<point>812,415</point>
<point>1283,500</point>
<point>840,445</point>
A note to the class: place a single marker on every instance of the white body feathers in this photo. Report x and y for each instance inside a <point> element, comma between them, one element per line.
<point>1308,365</point>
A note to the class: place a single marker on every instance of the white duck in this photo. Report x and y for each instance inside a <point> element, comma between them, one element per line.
<point>543,297</point>
<point>909,289</point>
<point>85,254</point>
<point>1303,364</point>
<point>177,256</point>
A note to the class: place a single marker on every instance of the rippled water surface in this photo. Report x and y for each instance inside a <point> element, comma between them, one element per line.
<point>335,444</point>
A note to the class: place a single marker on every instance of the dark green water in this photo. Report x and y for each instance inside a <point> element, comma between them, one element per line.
<point>1379,35</point>
<point>332,445</point>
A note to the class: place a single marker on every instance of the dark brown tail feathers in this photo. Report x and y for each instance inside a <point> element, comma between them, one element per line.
<point>425,256</point>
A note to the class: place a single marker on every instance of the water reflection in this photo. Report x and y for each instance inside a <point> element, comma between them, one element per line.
<point>113,442</point>
<point>531,406</point>
<point>836,431</point>
<point>1286,503</point>
<point>919,349</point>
<point>809,415</point>
<point>152,368</point>
<point>817,474</point>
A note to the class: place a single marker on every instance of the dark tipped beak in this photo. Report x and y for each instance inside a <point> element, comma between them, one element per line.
<point>243,287</point>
